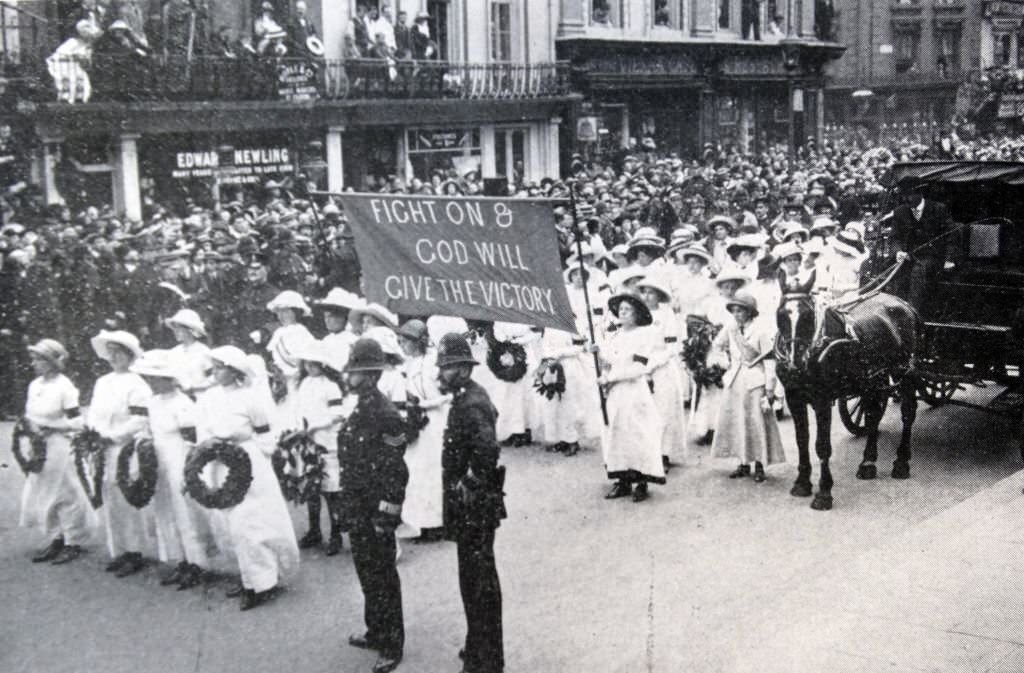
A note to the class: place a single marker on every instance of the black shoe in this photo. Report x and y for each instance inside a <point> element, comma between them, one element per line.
<point>759,475</point>
<point>334,545</point>
<point>555,448</point>
<point>686,404</point>
<point>640,492</point>
<point>116,564</point>
<point>311,539</point>
<point>620,490</point>
<point>572,449</point>
<point>740,472</point>
<point>192,577</point>
<point>253,599</point>
<point>176,575</point>
<point>386,663</point>
<point>666,464</point>
<point>68,554</point>
<point>234,591</point>
<point>510,440</point>
<point>707,438</point>
<point>50,551</point>
<point>522,439</point>
<point>132,565</point>
<point>362,642</point>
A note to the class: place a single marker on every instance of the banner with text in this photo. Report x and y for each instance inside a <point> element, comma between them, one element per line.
<point>477,258</point>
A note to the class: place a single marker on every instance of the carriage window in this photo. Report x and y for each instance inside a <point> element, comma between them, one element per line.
<point>983,242</point>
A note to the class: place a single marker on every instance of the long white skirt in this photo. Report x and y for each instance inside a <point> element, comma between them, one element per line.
<point>182,526</point>
<point>262,535</point>
<point>128,529</point>
<point>560,416</point>
<point>631,442</point>
<point>52,500</point>
<point>668,396</point>
<point>423,507</point>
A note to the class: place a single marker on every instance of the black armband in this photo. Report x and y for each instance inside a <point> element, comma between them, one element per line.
<point>334,403</point>
<point>641,359</point>
<point>73,413</point>
<point>189,434</point>
<point>261,429</point>
<point>138,411</point>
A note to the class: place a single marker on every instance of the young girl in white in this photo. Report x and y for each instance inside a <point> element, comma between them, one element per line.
<point>286,339</point>
<point>318,414</point>
<point>51,500</point>
<point>118,413</point>
<point>181,526</point>
<point>260,528</point>
<point>746,426</point>
<point>191,357</point>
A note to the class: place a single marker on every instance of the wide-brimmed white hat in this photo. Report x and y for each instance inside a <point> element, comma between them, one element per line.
<point>732,275</point>
<point>387,339</point>
<point>379,312</point>
<point>233,357</point>
<point>289,299</point>
<point>340,298</point>
<point>188,319</point>
<point>101,343</point>
<point>158,363</point>
<point>656,282</point>
<point>787,249</point>
<point>745,241</point>
<point>314,351</point>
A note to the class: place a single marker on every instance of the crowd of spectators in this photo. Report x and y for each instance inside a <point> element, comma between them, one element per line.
<point>68,274</point>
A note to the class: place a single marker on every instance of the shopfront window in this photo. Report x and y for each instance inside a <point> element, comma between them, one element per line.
<point>451,153</point>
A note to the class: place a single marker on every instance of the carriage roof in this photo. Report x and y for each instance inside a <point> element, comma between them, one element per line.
<point>955,173</point>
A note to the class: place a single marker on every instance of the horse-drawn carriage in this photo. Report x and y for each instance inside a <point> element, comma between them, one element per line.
<point>974,318</point>
<point>969,330</point>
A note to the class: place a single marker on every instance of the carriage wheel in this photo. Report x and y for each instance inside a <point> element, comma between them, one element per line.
<point>851,413</point>
<point>936,393</point>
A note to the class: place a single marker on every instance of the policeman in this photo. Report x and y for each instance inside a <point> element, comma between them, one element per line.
<point>473,502</point>
<point>371,448</point>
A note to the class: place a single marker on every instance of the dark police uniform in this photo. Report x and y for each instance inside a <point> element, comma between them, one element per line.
<point>470,459</point>
<point>371,448</point>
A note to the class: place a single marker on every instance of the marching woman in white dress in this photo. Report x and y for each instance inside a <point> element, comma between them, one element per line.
<point>286,339</point>
<point>746,426</point>
<point>514,399</point>
<point>51,500</point>
<point>118,413</point>
<point>691,286</point>
<point>665,365</point>
<point>191,357</point>
<point>423,506</point>
<point>260,528</point>
<point>342,332</point>
<point>631,442</point>
<point>560,412</point>
<point>318,413</point>
<point>182,528</point>
<point>589,420</point>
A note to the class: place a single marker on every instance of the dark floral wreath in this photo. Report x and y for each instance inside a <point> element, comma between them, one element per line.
<point>89,450</point>
<point>37,441</point>
<point>139,491</point>
<point>700,334</point>
<point>299,464</point>
<point>515,371</point>
<point>416,418</point>
<point>235,485</point>
<point>548,388</point>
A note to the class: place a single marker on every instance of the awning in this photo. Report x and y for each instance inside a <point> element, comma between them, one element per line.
<point>955,172</point>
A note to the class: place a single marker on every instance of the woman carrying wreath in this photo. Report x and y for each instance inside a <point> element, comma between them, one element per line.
<point>52,500</point>
<point>631,441</point>
<point>118,413</point>
<point>182,527</point>
<point>259,528</point>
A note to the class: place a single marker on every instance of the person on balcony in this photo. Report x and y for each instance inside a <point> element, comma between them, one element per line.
<point>120,60</point>
<point>68,64</point>
<point>300,30</point>
<point>269,35</point>
<point>776,29</point>
<point>423,47</point>
<point>378,22</point>
<point>403,36</point>
<point>750,17</point>
<point>360,32</point>
<point>130,12</point>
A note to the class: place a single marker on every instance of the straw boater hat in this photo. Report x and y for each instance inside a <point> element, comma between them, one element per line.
<point>815,246</point>
<point>314,351</point>
<point>387,339</point>
<point>188,319</point>
<point>848,244</point>
<point>824,224</point>
<point>744,299</point>
<point>657,283</point>
<point>50,350</point>
<point>233,357</point>
<point>695,249</point>
<point>157,363</point>
<point>567,274</point>
<point>787,249</point>
<point>753,242</point>
<point>732,275</point>
<point>646,238</point>
<point>680,239</point>
<point>340,298</point>
<point>289,299</point>
<point>377,311</point>
<point>723,221</point>
<point>101,343</point>
<point>784,231</point>
<point>643,314</point>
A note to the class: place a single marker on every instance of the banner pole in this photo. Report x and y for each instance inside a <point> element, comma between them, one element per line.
<point>586,299</point>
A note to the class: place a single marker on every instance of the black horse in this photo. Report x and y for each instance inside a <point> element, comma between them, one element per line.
<point>861,348</point>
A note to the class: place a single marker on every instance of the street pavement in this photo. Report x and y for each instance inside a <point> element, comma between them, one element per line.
<point>709,575</point>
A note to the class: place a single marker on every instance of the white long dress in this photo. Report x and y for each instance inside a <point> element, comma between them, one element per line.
<point>631,442</point>
<point>117,412</point>
<point>318,403</point>
<point>339,345</point>
<point>260,528</point>
<point>514,398</point>
<point>52,499</point>
<point>182,526</point>
<point>424,493</point>
<point>562,416</point>
<point>282,346</point>
<point>665,367</point>
<point>704,403</point>
<point>193,363</point>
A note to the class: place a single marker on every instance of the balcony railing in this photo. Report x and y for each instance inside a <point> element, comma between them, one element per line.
<point>155,79</point>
